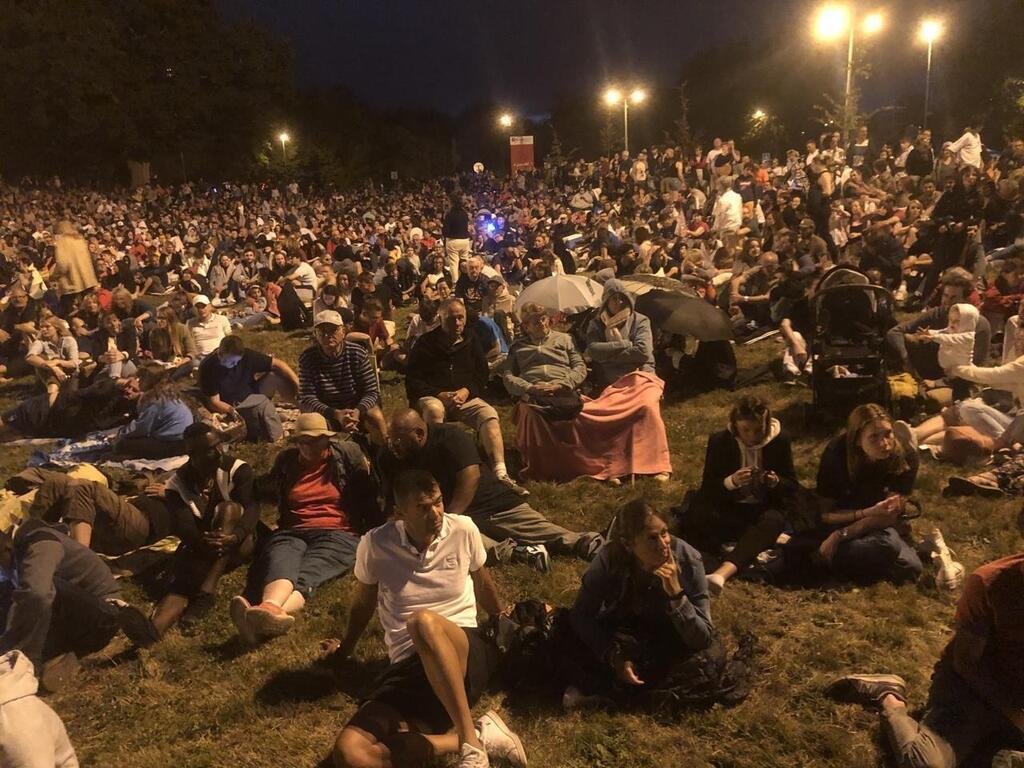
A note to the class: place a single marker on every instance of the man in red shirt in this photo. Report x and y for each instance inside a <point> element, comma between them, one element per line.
<point>976,700</point>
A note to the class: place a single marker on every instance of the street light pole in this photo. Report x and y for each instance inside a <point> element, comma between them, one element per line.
<point>625,122</point>
<point>931,30</point>
<point>927,84</point>
<point>849,86</point>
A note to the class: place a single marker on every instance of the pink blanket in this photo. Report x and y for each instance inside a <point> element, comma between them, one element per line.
<point>618,434</point>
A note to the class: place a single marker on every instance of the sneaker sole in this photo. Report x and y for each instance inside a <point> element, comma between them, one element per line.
<point>267,624</point>
<point>844,690</point>
<point>503,727</point>
<point>59,671</point>
<point>239,612</point>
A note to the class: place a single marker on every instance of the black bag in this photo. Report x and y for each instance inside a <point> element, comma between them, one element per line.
<point>294,314</point>
<point>559,406</point>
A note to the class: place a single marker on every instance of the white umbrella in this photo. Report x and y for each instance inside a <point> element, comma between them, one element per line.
<point>562,293</point>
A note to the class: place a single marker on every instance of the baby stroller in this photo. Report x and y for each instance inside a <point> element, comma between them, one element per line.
<point>851,318</point>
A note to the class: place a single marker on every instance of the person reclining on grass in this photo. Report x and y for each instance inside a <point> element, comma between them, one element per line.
<point>642,609</point>
<point>511,529</point>
<point>326,498</point>
<point>58,601</point>
<point>214,511</point>
<point>424,573</point>
<point>976,700</point>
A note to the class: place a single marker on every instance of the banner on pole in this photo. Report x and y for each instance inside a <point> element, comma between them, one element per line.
<point>521,152</point>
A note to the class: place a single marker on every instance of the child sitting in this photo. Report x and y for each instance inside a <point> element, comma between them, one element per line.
<point>956,341</point>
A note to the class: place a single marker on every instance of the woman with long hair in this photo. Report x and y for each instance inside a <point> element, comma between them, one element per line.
<point>643,607</point>
<point>163,416</point>
<point>865,477</point>
<point>171,342</point>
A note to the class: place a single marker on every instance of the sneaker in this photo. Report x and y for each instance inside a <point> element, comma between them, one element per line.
<point>1008,758</point>
<point>906,434</point>
<point>716,584</point>
<point>868,690</point>
<point>614,482</point>
<point>239,611</point>
<point>662,477</point>
<point>137,626</point>
<point>587,548</point>
<point>473,757</point>
<point>199,607</point>
<point>512,484</point>
<point>534,555</point>
<point>499,741</point>
<point>59,671</point>
<point>949,574</point>
<point>269,620</point>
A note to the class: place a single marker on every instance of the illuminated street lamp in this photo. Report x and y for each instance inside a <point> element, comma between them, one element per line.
<point>613,97</point>
<point>931,30</point>
<point>831,22</point>
<point>284,138</point>
<point>505,120</point>
<point>759,115</point>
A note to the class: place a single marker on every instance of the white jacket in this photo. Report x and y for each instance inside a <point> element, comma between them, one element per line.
<point>31,734</point>
<point>1009,376</point>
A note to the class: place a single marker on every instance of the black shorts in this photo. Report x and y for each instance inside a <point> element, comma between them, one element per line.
<point>404,689</point>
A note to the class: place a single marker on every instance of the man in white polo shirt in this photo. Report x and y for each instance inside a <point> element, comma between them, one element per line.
<point>208,327</point>
<point>424,573</point>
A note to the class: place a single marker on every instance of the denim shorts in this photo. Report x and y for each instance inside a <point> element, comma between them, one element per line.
<point>307,557</point>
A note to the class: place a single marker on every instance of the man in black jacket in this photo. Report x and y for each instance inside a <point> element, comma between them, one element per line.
<point>445,377</point>
<point>58,600</point>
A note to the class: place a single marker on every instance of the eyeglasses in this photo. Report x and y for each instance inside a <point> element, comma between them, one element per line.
<point>328,330</point>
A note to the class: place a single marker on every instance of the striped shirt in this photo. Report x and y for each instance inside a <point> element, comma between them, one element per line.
<point>342,382</point>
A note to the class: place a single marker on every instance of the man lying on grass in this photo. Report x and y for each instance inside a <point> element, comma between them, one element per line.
<point>424,572</point>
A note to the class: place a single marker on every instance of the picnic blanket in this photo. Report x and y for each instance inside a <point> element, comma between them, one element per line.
<point>95,448</point>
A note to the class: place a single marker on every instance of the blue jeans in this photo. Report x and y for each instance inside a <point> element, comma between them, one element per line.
<point>879,556</point>
<point>307,557</point>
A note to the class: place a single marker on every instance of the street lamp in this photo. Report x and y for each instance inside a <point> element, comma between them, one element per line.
<point>613,97</point>
<point>831,22</point>
<point>505,120</point>
<point>284,138</point>
<point>759,115</point>
<point>931,30</point>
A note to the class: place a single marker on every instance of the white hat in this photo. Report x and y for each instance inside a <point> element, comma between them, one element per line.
<point>200,299</point>
<point>328,316</point>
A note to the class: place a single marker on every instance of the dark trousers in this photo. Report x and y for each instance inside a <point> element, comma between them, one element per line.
<point>80,622</point>
<point>754,528</point>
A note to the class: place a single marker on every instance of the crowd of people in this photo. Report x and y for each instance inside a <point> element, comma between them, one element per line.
<point>133,313</point>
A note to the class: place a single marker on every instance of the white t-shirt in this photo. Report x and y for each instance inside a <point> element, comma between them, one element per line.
<point>208,335</point>
<point>305,284</point>
<point>409,580</point>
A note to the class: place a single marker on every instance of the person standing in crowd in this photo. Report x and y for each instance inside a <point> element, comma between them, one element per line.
<point>73,268</point>
<point>440,662</point>
<point>456,230</point>
<point>327,498</point>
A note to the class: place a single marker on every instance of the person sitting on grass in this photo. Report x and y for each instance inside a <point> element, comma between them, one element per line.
<point>424,574</point>
<point>241,382</point>
<point>865,475</point>
<point>446,374</point>
<point>512,529</point>
<point>748,472</point>
<point>54,356</point>
<point>163,416</point>
<point>58,601</point>
<point>326,498</point>
<point>643,608</point>
<point>336,380</point>
<point>214,512</point>
<point>976,699</point>
<point>31,733</point>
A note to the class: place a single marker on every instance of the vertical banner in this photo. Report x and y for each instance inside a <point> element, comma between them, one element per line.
<point>521,152</point>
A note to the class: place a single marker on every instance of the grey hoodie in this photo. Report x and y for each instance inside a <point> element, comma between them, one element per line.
<point>31,734</point>
<point>634,352</point>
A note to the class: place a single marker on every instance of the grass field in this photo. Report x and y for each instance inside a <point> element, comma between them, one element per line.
<point>204,700</point>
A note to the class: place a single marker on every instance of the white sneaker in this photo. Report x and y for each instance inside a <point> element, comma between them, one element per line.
<point>499,740</point>
<point>471,757</point>
<point>1008,758</point>
<point>239,611</point>
<point>949,574</point>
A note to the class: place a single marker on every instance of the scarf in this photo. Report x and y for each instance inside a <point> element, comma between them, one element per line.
<point>613,322</point>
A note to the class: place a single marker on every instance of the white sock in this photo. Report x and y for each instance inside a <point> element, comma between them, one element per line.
<point>499,469</point>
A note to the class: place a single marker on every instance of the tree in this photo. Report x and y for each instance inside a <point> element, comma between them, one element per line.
<point>683,135</point>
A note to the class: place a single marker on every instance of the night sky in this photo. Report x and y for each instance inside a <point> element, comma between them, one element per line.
<point>451,54</point>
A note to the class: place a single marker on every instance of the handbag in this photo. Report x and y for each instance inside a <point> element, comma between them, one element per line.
<point>558,406</point>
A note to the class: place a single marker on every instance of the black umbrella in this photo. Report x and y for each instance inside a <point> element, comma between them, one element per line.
<point>679,313</point>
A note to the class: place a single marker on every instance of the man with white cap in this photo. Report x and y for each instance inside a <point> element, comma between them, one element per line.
<point>208,327</point>
<point>337,380</point>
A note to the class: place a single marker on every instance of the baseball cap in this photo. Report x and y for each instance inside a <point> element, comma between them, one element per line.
<point>328,316</point>
<point>200,299</point>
